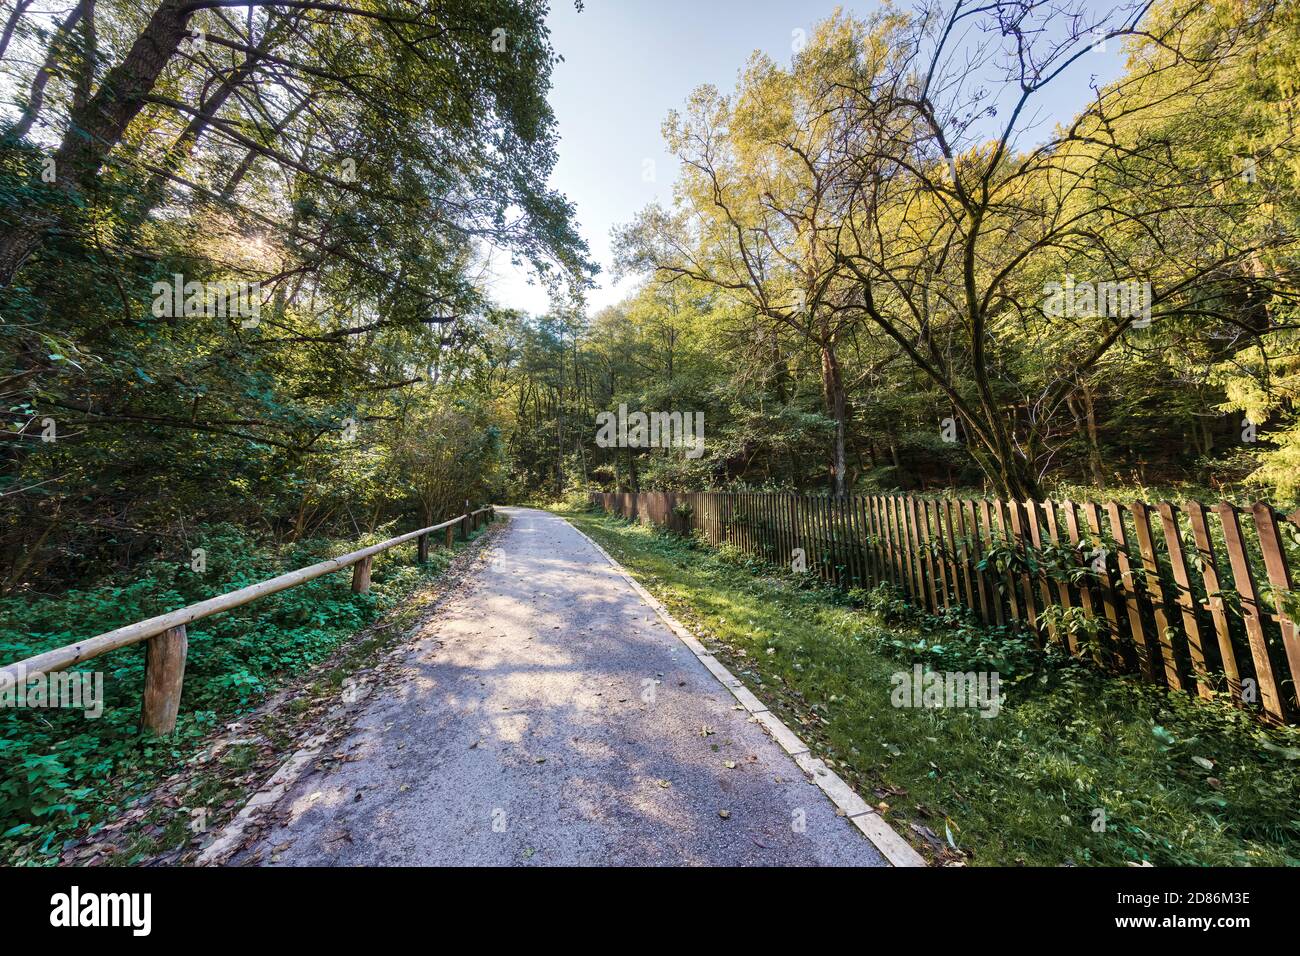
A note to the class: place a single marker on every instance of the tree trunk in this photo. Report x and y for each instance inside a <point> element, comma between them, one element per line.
<point>1094,443</point>
<point>97,128</point>
<point>837,408</point>
<point>36,95</point>
<point>12,23</point>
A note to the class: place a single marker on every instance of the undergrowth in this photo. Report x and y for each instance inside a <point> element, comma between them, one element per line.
<point>63,770</point>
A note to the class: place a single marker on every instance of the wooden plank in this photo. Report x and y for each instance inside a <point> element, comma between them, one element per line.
<point>1071,514</point>
<point>836,551</point>
<point>778,528</point>
<point>918,549</point>
<point>853,574</point>
<point>794,540</point>
<point>1106,588</point>
<point>929,541</point>
<point>943,537</point>
<point>1034,520</point>
<point>1244,584</point>
<point>884,557</point>
<point>870,558</point>
<point>905,544</point>
<point>742,521</point>
<point>1155,592</point>
<point>878,547</point>
<point>975,583</point>
<point>792,517</point>
<point>1063,594</point>
<point>1214,597</point>
<point>958,566</point>
<point>792,532</point>
<point>751,523</point>
<point>904,549</point>
<point>832,540</point>
<point>1279,576</point>
<point>886,532</point>
<point>746,523</point>
<point>891,549</point>
<point>830,506</point>
<point>947,580</point>
<point>806,516</point>
<point>1007,540</point>
<point>858,541</point>
<point>827,537</point>
<point>907,580</point>
<point>947,551</point>
<point>1022,542</point>
<point>1186,600</point>
<point>164,678</point>
<point>766,528</point>
<point>1128,589</point>
<point>991,577</point>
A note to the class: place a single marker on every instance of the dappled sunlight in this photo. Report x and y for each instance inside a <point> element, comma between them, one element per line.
<point>551,711</point>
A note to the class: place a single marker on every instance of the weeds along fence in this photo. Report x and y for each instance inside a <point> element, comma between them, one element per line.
<point>1198,598</point>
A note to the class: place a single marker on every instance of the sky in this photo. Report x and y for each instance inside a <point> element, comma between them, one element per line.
<point>627,63</point>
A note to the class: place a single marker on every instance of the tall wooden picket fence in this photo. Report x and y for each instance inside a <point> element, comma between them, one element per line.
<point>1190,596</point>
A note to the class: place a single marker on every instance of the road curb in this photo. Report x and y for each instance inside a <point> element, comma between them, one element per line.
<point>896,851</point>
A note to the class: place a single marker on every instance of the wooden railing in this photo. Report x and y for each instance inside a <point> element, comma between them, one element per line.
<point>168,643</point>
<point>1095,577</point>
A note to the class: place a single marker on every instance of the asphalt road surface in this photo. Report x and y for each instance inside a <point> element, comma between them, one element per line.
<point>547,716</point>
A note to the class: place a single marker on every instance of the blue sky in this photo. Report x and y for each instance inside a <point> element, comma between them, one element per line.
<point>627,63</point>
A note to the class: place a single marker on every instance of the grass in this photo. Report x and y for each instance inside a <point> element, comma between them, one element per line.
<point>1076,768</point>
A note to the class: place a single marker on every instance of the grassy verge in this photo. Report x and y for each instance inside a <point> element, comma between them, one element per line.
<point>1074,769</point>
<point>66,774</point>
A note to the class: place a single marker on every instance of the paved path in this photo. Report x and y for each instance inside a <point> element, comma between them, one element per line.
<point>522,736</point>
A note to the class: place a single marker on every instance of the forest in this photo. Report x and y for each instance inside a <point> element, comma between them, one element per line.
<point>870,277</point>
<point>245,319</point>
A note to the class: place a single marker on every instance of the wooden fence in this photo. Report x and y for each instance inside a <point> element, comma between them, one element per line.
<point>1197,598</point>
<point>169,644</point>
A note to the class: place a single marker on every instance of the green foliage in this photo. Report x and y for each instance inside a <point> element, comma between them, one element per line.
<point>60,764</point>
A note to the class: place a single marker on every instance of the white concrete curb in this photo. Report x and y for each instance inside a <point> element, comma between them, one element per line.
<point>896,850</point>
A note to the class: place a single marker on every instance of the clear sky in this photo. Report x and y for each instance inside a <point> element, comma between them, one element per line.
<point>627,63</point>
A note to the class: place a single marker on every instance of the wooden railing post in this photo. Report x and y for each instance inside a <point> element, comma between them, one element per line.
<point>422,549</point>
<point>164,676</point>
<point>450,531</point>
<point>361,576</point>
